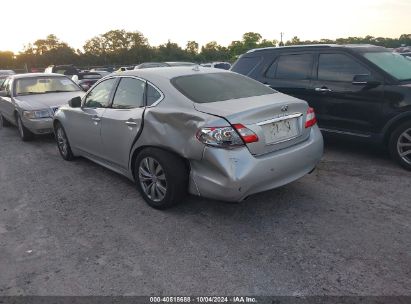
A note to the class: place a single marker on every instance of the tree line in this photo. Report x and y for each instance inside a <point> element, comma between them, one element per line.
<point>120,47</point>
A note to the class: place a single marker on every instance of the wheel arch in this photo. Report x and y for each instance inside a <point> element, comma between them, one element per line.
<point>141,148</point>
<point>393,124</point>
<point>55,122</point>
<point>15,113</point>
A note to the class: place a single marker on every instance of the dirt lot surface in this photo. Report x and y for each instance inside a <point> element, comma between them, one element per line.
<point>75,228</point>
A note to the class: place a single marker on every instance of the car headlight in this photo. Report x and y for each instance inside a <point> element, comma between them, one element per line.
<point>37,114</point>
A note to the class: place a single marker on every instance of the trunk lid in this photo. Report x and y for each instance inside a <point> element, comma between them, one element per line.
<point>277,119</point>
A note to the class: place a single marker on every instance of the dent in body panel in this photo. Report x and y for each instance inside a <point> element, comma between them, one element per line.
<point>175,129</point>
<point>232,175</point>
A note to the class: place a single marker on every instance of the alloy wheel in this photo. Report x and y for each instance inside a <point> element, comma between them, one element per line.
<point>62,141</point>
<point>20,126</point>
<point>152,179</point>
<point>404,146</point>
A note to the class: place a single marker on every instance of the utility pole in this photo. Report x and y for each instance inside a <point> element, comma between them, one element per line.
<point>281,41</point>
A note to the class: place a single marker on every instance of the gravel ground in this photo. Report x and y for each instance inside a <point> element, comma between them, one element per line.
<point>75,228</point>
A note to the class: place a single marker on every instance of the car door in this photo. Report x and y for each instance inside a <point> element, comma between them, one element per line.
<point>341,104</point>
<point>122,122</point>
<point>290,73</point>
<point>84,124</point>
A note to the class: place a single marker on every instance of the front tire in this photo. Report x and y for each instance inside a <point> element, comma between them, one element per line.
<point>63,143</point>
<point>400,145</point>
<point>25,133</point>
<point>161,177</point>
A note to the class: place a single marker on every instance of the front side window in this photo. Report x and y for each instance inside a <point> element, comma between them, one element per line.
<point>394,64</point>
<point>212,87</point>
<point>44,84</point>
<point>339,67</point>
<point>297,67</point>
<point>99,97</point>
<point>129,94</point>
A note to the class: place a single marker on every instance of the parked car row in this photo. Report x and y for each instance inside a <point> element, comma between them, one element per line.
<point>29,101</point>
<point>357,91</point>
<point>209,132</point>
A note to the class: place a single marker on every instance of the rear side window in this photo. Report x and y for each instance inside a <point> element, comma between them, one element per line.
<point>152,95</point>
<point>246,64</point>
<point>296,67</point>
<point>211,87</point>
<point>339,67</point>
<point>129,94</point>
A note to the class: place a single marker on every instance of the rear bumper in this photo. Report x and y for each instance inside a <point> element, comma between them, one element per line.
<point>39,126</point>
<point>232,175</point>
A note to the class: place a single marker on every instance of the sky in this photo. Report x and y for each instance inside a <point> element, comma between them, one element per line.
<point>75,21</point>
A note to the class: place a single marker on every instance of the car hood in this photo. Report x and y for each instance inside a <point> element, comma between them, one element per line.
<point>47,100</point>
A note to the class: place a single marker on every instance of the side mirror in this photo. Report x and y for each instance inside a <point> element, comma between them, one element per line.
<point>75,102</point>
<point>365,80</point>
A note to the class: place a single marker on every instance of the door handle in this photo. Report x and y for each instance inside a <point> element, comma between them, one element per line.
<point>323,89</point>
<point>131,123</point>
<point>95,118</point>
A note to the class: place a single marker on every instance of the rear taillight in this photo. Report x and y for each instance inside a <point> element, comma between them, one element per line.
<point>246,134</point>
<point>226,136</point>
<point>310,120</point>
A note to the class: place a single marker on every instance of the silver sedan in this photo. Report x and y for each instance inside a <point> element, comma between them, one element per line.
<point>30,101</point>
<point>210,132</point>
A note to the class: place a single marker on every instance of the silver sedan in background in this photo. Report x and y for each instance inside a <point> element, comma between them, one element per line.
<point>29,101</point>
<point>212,132</point>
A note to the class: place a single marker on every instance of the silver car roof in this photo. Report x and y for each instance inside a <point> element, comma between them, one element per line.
<point>170,72</point>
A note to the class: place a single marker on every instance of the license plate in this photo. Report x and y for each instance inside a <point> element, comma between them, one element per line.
<point>280,130</point>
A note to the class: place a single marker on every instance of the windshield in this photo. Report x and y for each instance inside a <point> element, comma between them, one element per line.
<point>42,85</point>
<point>213,87</point>
<point>394,64</point>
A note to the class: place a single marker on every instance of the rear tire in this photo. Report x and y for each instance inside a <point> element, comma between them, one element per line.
<point>62,143</point>
<point>25,134</point>
<point>161,177</point>
<point>400,145</point>
<point>4,123</point>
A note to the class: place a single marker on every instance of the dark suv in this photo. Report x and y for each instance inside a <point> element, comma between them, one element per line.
<point>361,91</point>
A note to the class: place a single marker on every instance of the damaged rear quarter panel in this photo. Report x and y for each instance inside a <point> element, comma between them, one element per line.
<point>173,124</point>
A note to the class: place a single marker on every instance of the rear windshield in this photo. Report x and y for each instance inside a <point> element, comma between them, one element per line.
<point>89,76</point>
<point>212,87</point>
<point>223,65</point>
